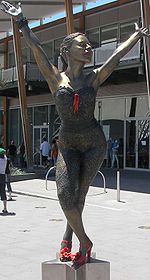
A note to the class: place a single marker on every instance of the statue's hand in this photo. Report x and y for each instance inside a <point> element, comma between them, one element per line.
<point>143,31</point>
<point>10,9</point>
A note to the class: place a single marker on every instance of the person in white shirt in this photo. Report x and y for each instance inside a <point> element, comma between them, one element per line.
<point>45,149</point>
<point>3,163</point>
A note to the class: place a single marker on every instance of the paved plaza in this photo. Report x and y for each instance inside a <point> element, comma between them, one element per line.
<point>120,231</point>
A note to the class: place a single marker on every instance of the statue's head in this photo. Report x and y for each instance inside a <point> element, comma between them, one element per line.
<point>77,46</point>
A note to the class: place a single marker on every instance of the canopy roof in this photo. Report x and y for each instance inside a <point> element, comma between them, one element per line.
<point>37,10</point>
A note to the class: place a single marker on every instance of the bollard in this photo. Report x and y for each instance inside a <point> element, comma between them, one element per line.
<point>118,185</point>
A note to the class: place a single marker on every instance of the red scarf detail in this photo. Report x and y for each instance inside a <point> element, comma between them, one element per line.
<point>76,102</point>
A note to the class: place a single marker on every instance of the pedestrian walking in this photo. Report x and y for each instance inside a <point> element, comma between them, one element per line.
<point>45,149</point>
<point>12,152</point>
<point>115,147</point>
<point>54,151</point>
<point>3,163</point>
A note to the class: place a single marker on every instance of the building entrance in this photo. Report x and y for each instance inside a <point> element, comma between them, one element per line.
<point>136,150</point>
<point>39,132</point>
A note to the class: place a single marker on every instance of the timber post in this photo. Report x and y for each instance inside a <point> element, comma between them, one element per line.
<point>22,94</point>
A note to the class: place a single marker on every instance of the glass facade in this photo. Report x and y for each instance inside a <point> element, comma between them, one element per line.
<point>137,106</point>
<point>1,127</point>
<point>57,43</point>
<point>118,32</point>
<point>14,128</point>
<point>126,120</point>
<point>126,30</point>
<point>110,112</point>
<point>40,115</point>
<point>11,58</point>
<point>109,34</point>
<point>122,119</point>
<point>94,37</point>
<point>49,49</point>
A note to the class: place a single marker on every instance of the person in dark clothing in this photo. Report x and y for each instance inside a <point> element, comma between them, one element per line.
<point>12,151</point>
<point>3,163</point>
<point>54,151</point>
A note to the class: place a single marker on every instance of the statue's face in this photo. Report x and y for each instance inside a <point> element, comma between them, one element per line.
<point>81,49</point>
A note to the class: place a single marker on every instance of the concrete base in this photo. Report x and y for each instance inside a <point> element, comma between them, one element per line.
<point>95,270</point>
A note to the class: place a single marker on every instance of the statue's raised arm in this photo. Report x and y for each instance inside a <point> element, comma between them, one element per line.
<point>103,72</point>
<point>48,70</point>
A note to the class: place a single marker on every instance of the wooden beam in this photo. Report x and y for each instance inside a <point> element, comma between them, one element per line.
<point>4,122</point>
<point>5,103</point>
<point>145,15</point>
<point>82,24</point>
<point>69,16</point>
<point>22,94</point>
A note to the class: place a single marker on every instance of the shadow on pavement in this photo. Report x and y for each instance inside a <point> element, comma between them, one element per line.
<point>8,214</point>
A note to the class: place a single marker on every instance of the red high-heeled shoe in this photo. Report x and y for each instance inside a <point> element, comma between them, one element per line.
<point>83,256</point>
<point>65,252</point>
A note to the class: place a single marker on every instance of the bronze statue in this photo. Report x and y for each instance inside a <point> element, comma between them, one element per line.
<point>82,144</point>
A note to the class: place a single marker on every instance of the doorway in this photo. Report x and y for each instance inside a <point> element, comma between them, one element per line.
<point>136,150</point>
<point>39,132</point>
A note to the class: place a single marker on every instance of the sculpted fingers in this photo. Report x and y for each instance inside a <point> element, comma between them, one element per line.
<point>5,6</point>
<point>10,9</point>
<point>144,31</point>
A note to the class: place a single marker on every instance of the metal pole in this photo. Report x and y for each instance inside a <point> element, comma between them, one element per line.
<point>118,185</point>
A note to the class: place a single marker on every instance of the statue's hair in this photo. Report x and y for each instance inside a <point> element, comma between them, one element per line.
<point>66,45</point>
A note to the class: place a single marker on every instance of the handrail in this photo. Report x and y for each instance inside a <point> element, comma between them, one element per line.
<point>104,180</point>
<point>54,167</point>
<point>51,168</point>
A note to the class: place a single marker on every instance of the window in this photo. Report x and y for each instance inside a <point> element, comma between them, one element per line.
<point>14,125</point>
<point>40,115</point>
<point>1,126</point>
<point>1,61</point>
<point>137,106</point>
<point>11,58</point>
<point>32,59</point>
<point>126,30</point>
<point>49,50</point>
<point>57,44</point>
<point>109,34</point>
<point>30,117</point>
<point>93,36</point>
<point>24,56</point>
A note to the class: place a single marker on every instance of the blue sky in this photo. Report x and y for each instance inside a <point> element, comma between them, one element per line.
<point>75,10</point>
